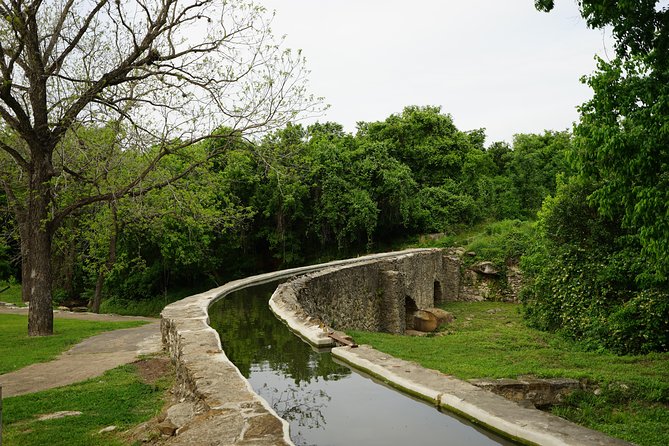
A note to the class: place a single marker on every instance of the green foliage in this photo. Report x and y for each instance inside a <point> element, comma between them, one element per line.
<point>18,350</point>
<point>149,305</point>
<point>623,142</point>
<point>5,264</point>
<point>298,195</point>
<point>583,275</point>
<point>503,242</point>
<point>119,398</point>
<point>599,271</point>
<point>490,340</point>
<point>12,294</point>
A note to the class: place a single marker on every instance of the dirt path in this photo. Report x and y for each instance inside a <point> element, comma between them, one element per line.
<point>92,357</point>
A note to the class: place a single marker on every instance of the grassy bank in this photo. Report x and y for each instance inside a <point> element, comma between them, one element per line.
<point>17,349</point>
<point>489,340</point>
<point>12,294</point>
<point>122,397</point>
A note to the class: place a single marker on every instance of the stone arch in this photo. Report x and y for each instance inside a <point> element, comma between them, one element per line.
<point>437,293</point>
<point>410,308</point>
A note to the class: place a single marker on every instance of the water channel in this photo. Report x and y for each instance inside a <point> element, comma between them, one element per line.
<point>325,402</point>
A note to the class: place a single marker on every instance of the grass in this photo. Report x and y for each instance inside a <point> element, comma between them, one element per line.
<point>11,295</point>
<point>489,340</point>
<point>499,241</point>
<point>18,350</point>
<point>118,398</point>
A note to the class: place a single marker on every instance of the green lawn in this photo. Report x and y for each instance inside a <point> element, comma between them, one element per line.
<point>118,398</point>
<point>489,340</point>
<point>11,295</point>
<point>18,350</point>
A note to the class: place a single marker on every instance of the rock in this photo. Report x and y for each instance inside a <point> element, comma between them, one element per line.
<point>62,308</point>
<point>538,392</point>
<point>57,415</point>
<point>79,309</point>
<point>167,428</point>
<point>180,414</point>
<point>470,254</point>
<point>443,316</point>
<point>424,321</point>
<point>107,429</point>
<point>487,268</point>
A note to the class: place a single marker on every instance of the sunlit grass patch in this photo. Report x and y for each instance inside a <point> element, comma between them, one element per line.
<point>118,398</point>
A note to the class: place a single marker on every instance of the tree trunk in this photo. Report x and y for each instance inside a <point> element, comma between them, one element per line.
<point>36,238</point>
<point>25,264</point>
<point>40,314</point>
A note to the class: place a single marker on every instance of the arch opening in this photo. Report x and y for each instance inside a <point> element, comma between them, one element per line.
<point>410,309</point>
<point>437,294</point>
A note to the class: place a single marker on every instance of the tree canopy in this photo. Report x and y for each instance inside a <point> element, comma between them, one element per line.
<point>599,270</point>
<point>162,74</point>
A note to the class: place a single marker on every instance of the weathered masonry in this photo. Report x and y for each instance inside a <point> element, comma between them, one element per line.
<point>223,408</point>
<point>374,295</point>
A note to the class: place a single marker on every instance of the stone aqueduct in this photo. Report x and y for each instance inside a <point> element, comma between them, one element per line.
<point>374,295</point>
<point>370,293</point>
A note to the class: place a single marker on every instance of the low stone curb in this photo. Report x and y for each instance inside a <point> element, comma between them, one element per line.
<point>529,426</point>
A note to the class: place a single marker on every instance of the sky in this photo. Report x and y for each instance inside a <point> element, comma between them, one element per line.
<point>494,64</point>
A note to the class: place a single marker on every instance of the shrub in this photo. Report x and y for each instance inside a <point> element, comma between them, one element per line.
<point>583,274</point>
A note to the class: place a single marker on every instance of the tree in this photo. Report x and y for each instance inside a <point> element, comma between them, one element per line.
<point>166,72</point>
<point>622,141</point>
<point>598,272</point>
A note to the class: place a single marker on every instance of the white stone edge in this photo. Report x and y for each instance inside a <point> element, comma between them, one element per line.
<point>524,432</point>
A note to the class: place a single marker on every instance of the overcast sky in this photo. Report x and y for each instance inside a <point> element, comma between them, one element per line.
<point>496,64</point>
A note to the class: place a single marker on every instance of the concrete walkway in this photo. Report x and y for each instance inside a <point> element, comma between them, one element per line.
<point>92,357</point>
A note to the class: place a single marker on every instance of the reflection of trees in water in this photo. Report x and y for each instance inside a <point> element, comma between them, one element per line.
<point>252,335</point>
<point>300,407</point>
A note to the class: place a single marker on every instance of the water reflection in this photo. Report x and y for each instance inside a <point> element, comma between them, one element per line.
<point>255,340</point>
<point>324,402</point>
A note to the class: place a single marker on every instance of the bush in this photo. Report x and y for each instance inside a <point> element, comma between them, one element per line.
<point>583,274</point>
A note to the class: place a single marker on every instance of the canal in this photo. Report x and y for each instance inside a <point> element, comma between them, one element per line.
<point>325,402</point>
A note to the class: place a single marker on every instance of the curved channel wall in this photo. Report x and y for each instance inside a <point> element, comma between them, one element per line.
<point>367,293</point>
<point>370,295</point>
<point>227,410</point>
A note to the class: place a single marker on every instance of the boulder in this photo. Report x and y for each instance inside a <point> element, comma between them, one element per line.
<point>443,316</point>
<point>487,268</point>
<point>424,321</point>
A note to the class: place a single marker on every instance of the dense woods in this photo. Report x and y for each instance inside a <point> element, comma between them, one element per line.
<point>297,195</point>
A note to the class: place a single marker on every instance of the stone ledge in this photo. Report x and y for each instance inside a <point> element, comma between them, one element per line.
<point>377,289</point>
<point>529,426</point>
<point>538,392</point>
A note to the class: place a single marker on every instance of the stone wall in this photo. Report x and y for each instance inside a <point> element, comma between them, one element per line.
<point>371,295</point>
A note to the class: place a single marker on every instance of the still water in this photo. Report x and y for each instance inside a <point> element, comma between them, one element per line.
<point>325,402</point>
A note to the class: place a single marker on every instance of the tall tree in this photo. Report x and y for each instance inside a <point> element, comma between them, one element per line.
<point>622,140</point>
<point>169,72</point>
